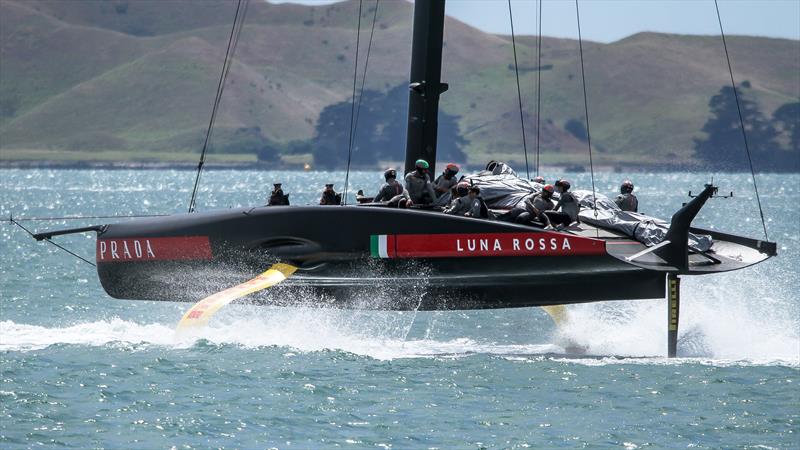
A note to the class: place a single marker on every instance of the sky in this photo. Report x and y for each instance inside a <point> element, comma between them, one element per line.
<point>611,20</point>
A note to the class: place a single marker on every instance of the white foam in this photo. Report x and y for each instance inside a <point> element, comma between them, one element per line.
<point>632,329</point>
<point>302,331</point>
<point>23,337</point>
<point>721,321</point>
<point>377,335</point>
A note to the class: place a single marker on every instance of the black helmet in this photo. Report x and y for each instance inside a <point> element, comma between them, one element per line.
<point>462,188</point>
<point>390,173</point>
<point>626,187</point>
<point>564,184</point>
<point>538,179</point>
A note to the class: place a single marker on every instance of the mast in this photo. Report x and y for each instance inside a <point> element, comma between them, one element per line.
<point>425,83</point>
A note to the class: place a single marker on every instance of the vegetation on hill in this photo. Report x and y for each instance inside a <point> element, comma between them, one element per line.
<point>380,131</point>
<point>138,78</point>
<point>724,147</point>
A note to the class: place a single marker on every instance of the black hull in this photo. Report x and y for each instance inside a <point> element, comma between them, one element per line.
<point>426,285</point>
<point>335,250</point>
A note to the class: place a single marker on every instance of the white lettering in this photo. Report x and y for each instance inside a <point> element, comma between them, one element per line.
<point>150,253</point>
<point>114,254</point>
<point>553,244</point>
<point>102,249</point>
<point>565,245</point>
<point>471,244</point>
<point>126,252</point>
<point>497,245</point>
<point>541,244</point>
<point>485,244</point>
<point>515,243</point>
<point>137,248</point>
<point>529,244</point>
<point>458,245</point>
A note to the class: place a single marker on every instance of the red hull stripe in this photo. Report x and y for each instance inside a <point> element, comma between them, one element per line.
<point>391,245</point>
<point>491,244</point>
<point>153,249</point>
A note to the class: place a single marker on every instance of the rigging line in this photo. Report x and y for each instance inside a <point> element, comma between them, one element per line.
<point>214,110</point>
<point>353,105</point>
<point>361,94</point>
<point>227,68</point>
<point>220,87</point>
<point>364,74</point>
<point>586,111</point>
<point>741,122</point>
<point>230,59</point>
<point>538,84</point>
<point>84,217</point>
<point>519,91</point>
<point>14,221</point>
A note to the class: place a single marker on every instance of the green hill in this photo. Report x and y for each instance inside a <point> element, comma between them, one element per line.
<point>131,80</point>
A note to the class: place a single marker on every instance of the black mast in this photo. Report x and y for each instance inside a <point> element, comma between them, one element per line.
<point>425,84</point>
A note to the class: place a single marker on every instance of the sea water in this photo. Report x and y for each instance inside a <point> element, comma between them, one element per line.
<point>80,369</point>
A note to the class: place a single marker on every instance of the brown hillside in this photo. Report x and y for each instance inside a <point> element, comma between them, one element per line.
<point>111,75</point>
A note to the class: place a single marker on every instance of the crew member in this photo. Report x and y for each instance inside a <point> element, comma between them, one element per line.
<point>478,207</point>
<point>567,204</point>
<point>446,180</point>
<point>391,189</point>
<point>537,205</point>
<point>461,203</point>
<point>329,196</point>
<point>538,179</point>
<point>277,197</point>
<point>461,190</point>
<point>469,203</point>
<point>419,185</point>
<point>532,207</point>
<point>626,200</point>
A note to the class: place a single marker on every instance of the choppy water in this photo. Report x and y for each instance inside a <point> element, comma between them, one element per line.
<point>82,370</point>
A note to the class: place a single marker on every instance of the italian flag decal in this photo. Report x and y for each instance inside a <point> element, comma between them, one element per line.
<point>380,244</point>
<point>467,245</point>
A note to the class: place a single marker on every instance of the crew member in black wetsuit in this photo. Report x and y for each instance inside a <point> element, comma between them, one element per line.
<point>444,182</point>
<point>532,207</point>
<point>391,189</point>
<point>418,184</point>
<point>461,191</point>
<point>277,197</point>
<point>626,200</point>
<point>567,204</point>
<point>465,204</point>
<point>329,196</point>
<point>479,208</point>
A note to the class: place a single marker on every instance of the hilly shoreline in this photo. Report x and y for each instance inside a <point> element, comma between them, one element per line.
<point>123,84</point>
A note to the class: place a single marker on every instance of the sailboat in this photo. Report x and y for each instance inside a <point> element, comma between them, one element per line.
<point>424,259</point>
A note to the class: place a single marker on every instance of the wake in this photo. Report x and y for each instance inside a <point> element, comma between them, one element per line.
<point>611,333</point>
<point>730,321</point>
<point>252,334</point>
